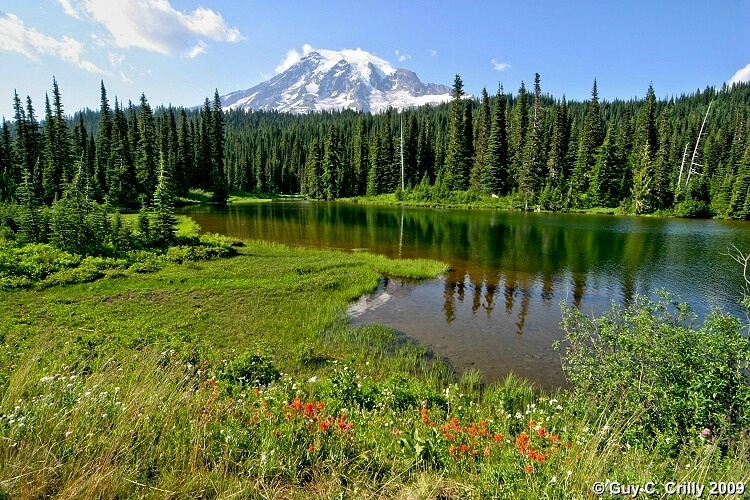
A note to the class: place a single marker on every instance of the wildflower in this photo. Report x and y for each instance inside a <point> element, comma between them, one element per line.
<point>312,380</point>
<point>522,443</point>
<point>397,432</point>
<point>528,469</point>
<point>311,448</point>
<point>325,425</point>
<point>542,432</point>
<point>309,409</point>
<point>425,417</point>
<point>554,438</point>
<point>498,438</point>
<point>296,404</point>
<point>486,451</point>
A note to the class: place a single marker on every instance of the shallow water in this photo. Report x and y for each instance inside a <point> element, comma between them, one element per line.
<point>498,309</point>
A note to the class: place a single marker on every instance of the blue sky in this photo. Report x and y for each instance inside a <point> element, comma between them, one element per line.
<point>178,51</point>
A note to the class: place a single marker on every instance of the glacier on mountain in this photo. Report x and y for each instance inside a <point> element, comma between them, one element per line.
<point>334,80</point>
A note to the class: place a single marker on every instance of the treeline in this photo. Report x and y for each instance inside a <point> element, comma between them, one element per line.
<point>641,156</point>
<point>120,155</point>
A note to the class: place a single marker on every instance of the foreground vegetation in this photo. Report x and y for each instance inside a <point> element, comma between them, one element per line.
<point>240,376</point>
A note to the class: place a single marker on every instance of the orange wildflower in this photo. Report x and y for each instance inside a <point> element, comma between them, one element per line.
<point>529,468</point>
<point>296,404</point>
<point>498,438</point>
<point>311,448</point>
<point>486,451</point>
<point>425,417</point>
<point>542,432</point>
<point>522,443</point>
<point>325,425</point>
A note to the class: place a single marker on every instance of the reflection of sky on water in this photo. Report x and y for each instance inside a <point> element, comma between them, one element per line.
<point>499,307</point>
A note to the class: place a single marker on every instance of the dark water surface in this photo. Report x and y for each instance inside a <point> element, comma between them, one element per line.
<point>499,308</point>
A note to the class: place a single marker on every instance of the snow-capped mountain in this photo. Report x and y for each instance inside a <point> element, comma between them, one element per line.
<point>332,80</point>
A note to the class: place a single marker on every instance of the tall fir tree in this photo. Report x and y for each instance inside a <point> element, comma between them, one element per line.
<point>457,160</point>
<point>484,126</point>
<point>557,160</point>
<point>146,155</point>
<point>331,166</point>
<point>532,171</point>
<point>103,169</point>
<point>496,178</point>
<point>519,128</point>
<point>589,141</point>
<point>312,171</point>
<point>218,177</point>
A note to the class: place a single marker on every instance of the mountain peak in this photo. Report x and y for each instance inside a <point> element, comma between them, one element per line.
<point>332,80</point>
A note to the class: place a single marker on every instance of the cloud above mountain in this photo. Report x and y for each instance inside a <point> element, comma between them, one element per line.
<point>34,45</point>
<point>742,75</point>
<point>154,25</point>
<point>293,57</point>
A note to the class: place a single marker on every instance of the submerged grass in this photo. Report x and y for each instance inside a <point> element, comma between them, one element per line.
<point>167,385</point>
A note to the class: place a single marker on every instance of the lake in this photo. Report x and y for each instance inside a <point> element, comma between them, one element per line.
<point>499,308</point>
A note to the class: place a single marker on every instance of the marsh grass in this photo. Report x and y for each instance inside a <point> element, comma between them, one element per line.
<point>127,387</point>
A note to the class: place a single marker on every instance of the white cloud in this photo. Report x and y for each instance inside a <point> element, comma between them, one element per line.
<point>199,49</point>
<point>432,52</point>
<point>116,59</point>
<point>402,57</point>
<point>292,57</point>
<point>69,9</point>
<point>500,66</point>
<point>124,78</point>
<point>742,75</point>
<point>156,26</point>
<point>31,43</point>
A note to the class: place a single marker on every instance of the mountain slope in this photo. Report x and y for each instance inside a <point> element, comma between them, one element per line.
<point>331,80</point>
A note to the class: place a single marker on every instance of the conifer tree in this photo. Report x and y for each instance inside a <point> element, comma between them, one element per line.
<point>643,183</point>
<point>519,128</point>
<point>375,184</point>
<point>663,193</point>
<point>218,176</point>
<point>557,160</point>
<point>739,204</point>
<point>484,126</point>
<point>606,180</point>
<point>53,175</point>
<point>164,230</point>
<point>531,172</point>
<point>496,178</point>
<point>103,169</point>
<point>146,152</point>
<point>312,170</point>
<point>31,222</point>
<point>331,166</point>
<point>457,160</point>
<point>6,163</point>
<point>589,141</point>
<point>62,148</point>
<point>359,158</point>
<point>425,155</point>
<point>184,163</point>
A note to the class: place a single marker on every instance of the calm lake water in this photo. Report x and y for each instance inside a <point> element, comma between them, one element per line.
<point>498,309</point>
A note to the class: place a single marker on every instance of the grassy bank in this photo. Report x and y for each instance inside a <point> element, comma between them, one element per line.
<point>240,377</point>
<point>200,196</point>
<point>430,197</point>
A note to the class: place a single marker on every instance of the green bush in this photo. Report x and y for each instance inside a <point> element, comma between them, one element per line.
<point>249,370</point>
<point>649,362</point>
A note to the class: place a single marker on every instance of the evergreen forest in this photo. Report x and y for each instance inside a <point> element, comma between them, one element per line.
<point>687,155</point>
